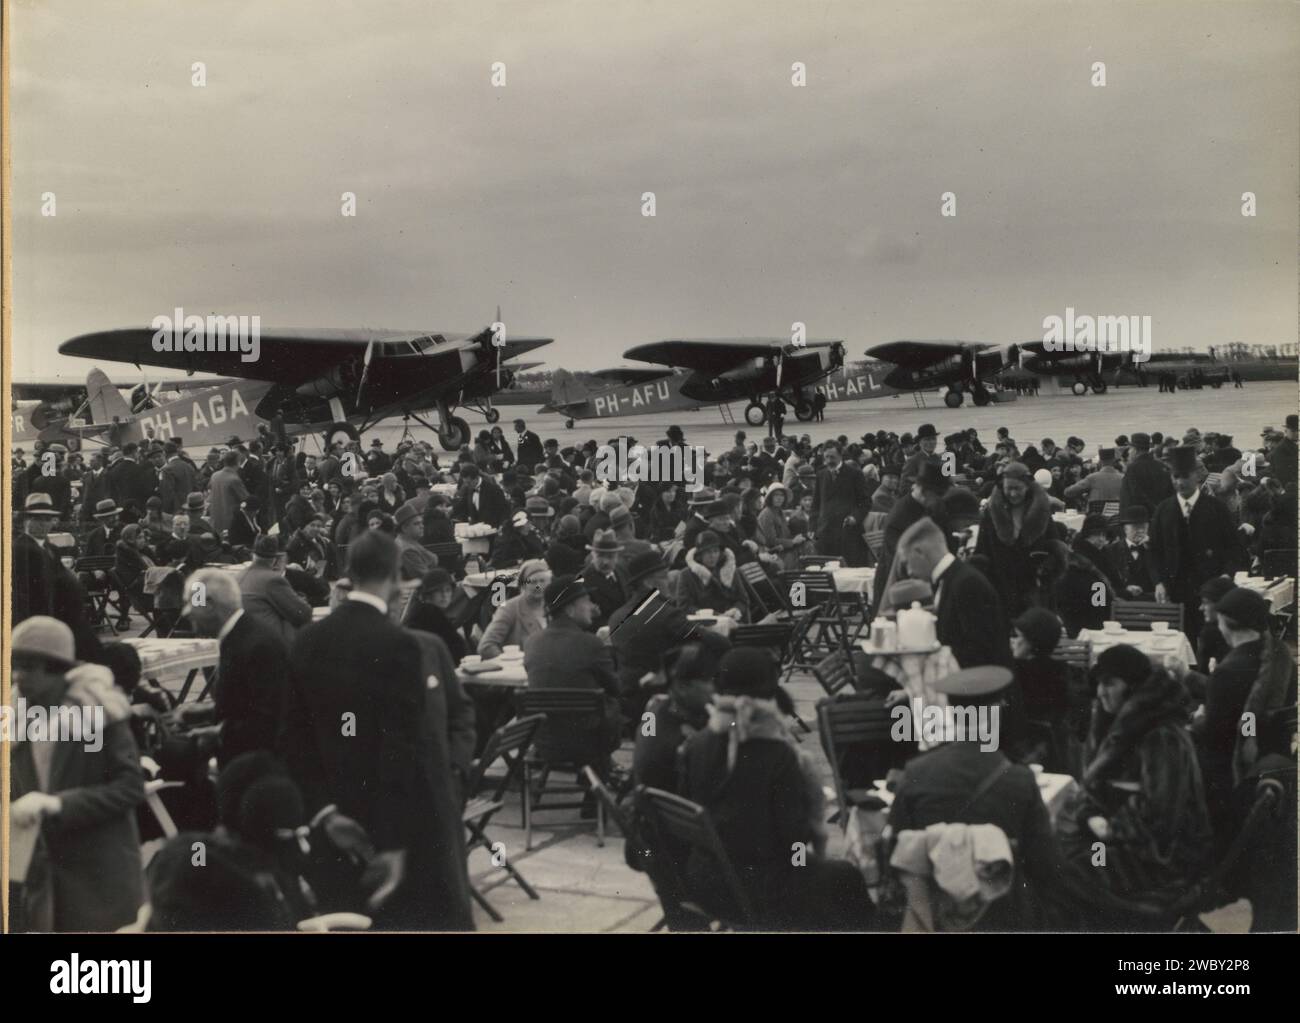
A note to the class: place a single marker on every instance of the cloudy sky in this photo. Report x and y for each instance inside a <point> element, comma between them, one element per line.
<point>775,204</point>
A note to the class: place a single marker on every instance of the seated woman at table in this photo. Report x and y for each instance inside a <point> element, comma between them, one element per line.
<point>1141,799</point>
<point>1042,688</point>
<point>711,580</point>
<point>436,592</point>
<point>774,533</point>
<point>438,527</point>
<point>764,796</point>
<point>519,617</point>
<point>130,561</point>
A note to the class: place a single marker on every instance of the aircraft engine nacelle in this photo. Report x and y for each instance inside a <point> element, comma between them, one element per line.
<point>341,379</point>
<point>994,360</point>
<point>750,369</point>
<point>48,413</point>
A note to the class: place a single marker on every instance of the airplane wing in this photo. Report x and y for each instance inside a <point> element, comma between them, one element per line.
<point>915,354</point>
<point>284,356</point>
<point>716,355</point>
<point>629,375</point>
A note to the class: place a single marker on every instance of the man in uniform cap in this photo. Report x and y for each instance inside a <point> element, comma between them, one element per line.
<point>1193,538</point>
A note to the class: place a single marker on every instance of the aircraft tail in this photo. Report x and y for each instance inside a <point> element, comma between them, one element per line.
<point>109,408</point>
<point>566,389</point>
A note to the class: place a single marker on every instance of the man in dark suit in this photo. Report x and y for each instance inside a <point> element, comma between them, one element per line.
<point>129,481</point>
<point>1130,555</point>
<point>480,499</point>
<point>356,736</point>
<point>268,598</point>
<point>252,675</point>
<point>1193,539</point>
<point>1146,481</point>
<point>927,440</point>
<point>176,480</point>
<point>970,617</point>
<point>528,446</point>
<point>1282,459</point>
<point>606,580</point>
<point>41,585</point>
<point>842,503</point>
<point>94,487</point>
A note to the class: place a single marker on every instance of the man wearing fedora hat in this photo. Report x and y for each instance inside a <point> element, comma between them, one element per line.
<point>100,540</point>
<point>84,874</point>
<point>41,585</point>
<point>267,597</point>
<point>606,580</point>
<point>1193,538</point>
<point>415,560</point>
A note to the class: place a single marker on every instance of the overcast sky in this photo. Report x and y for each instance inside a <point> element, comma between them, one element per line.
<point>774,203</point>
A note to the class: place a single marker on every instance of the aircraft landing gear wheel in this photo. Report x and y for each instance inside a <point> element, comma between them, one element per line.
<point>953,399</point>
<point>755,414</point>
<point>803,411</point>
<point>982,397</point>
<point>1099,387</point>
<point>568,424</point>
<point>1078,388</point>
<point>340,433</point>
<point>454,435</point>
<point>492,415</point>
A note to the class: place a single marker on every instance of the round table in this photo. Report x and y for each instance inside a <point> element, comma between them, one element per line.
<point>1156,645</point>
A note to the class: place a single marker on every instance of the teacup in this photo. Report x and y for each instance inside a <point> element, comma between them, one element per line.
<point>1159,626</point>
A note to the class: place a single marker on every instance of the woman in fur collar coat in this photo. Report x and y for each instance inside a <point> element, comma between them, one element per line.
<point>1016,522</point>
<point>711,579</point>
<point>1142,797</point>
<point>764,796</point>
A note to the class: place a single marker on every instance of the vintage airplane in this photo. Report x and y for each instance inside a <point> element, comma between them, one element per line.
<point>338,381</point>
<point>963,366</point>
<point>729,369</point>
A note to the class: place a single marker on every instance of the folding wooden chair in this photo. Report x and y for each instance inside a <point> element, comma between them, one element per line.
<point>763,593</point>
<point>1109,510</point>
<point>677,828</point>
<point>855,732</point>
<point>834,672</point>
<point>1075,652</point>
<point>775,637</point>
<point>814,560</point>
<point>1139,614</point>
<point>875,541</point>
<point>96,576</point>
<point>509,743</point>
<point>574,736</point>
<point>821,625</point>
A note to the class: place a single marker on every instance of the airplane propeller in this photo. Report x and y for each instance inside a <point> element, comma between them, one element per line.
<point>780,364</point>
<point>365,370</point>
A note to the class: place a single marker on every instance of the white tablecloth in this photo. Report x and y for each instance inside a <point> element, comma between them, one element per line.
<point>1070,520</point>
<point>511,675</point>
<point>1154,644</point>
<point>1279,593</point>
<point>850,580</point>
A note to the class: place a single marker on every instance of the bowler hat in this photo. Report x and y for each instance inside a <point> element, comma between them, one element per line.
<point>1245,607</point>
<point>1093,523</point>
<point>1135,515</point>
<point>563,591</point>
<point>926,430</point>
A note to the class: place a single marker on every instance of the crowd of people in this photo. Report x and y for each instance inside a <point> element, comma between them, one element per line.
<point>344,746</point>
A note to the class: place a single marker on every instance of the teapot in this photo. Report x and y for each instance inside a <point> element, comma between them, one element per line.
<point>916,628</point>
